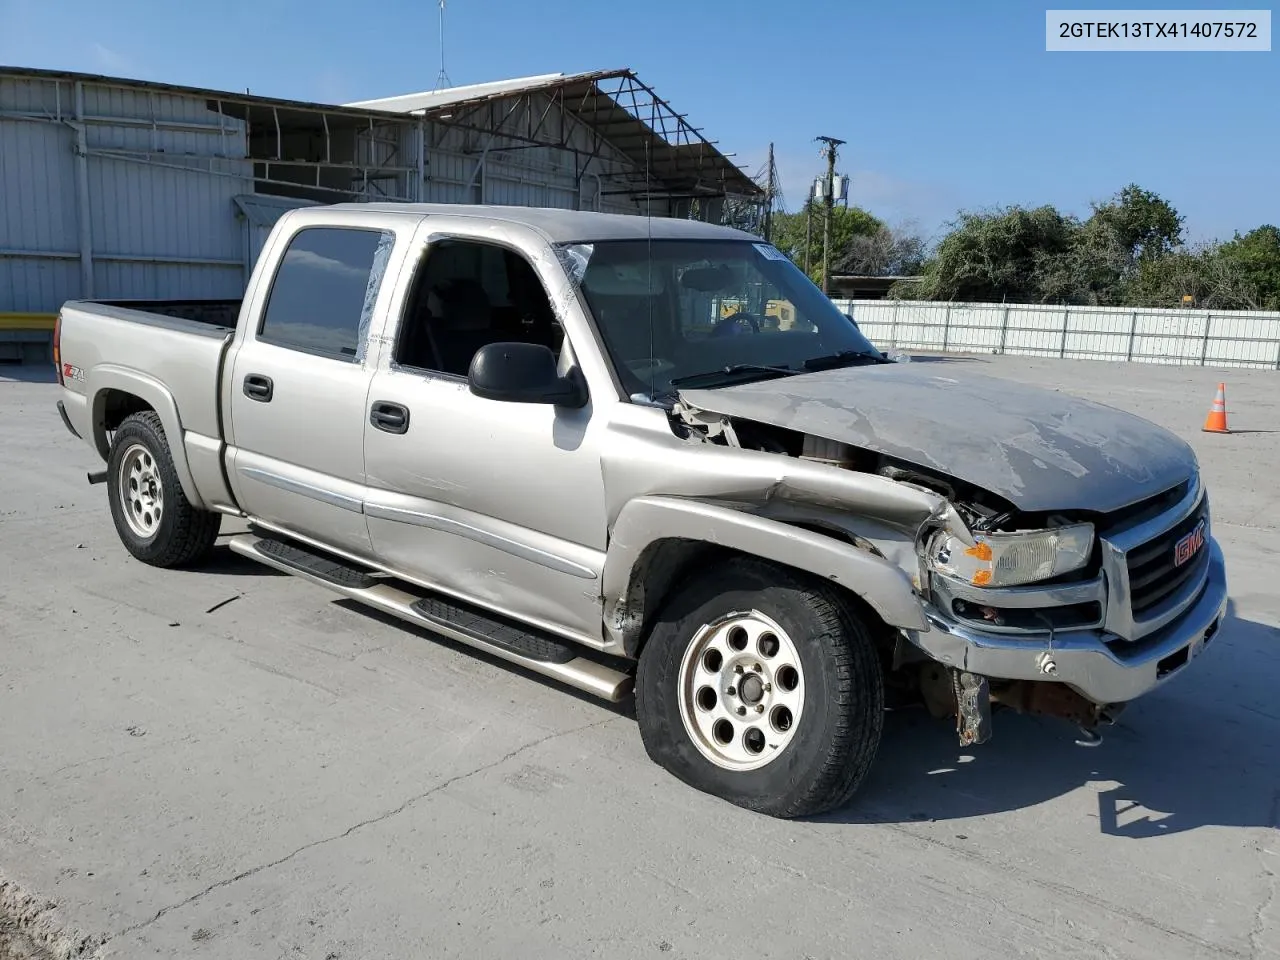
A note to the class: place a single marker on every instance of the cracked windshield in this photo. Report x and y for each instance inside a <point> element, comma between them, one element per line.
<point>708,313</point>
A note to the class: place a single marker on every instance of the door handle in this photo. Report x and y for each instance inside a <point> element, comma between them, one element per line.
<point>391,417</point>
<point>257,387</point>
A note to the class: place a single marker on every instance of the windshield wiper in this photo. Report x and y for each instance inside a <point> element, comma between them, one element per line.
<point>730,370</point>
<point>844,358</point>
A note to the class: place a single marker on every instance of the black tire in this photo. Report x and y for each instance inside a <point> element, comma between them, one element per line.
<point>835,741</point>
<point>184,534</point>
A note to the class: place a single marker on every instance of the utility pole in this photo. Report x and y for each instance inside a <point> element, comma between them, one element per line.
<point>831,144</point>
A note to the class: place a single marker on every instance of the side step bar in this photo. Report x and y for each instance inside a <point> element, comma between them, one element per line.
<point>536,651</point>
<point>329,569</point>
<point>533,644</point>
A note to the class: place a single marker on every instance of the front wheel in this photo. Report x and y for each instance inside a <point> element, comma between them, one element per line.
<point>155,520</point>
<point>761,687</point>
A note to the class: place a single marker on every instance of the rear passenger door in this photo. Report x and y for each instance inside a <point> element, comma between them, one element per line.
<point>300,382</point>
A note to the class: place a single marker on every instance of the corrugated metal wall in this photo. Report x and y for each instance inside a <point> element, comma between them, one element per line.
<point>39,224</point>
<point>160,172</point>
<point>115,189</point>
<point>1220,338</point>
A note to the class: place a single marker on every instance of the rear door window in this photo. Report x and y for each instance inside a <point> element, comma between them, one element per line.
<point>322,298</point>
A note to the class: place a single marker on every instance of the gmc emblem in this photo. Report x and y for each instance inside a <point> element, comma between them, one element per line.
<point>1188,546</point>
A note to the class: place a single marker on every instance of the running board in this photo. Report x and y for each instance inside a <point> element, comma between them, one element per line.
<point>532,644</point>
<point>533,651</point>
<point>322,566</point>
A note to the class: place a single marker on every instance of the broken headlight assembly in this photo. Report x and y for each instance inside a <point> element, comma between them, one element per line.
<point>1011,559</point>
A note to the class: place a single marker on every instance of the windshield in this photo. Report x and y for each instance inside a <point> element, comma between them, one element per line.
<point>707,313</point>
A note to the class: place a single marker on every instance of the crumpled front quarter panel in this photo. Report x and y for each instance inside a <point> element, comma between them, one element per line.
<point>745,499</point>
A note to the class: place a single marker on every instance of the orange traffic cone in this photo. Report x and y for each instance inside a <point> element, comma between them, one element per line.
<point>1216,422</point>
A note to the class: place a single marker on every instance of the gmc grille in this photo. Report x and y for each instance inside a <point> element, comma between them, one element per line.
<point>1153,575</point>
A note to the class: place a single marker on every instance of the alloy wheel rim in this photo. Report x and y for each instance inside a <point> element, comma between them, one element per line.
<point>741,691</point>
<point>141,491</point>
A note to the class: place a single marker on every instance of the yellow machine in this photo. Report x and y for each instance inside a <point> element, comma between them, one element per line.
<point>781,310</point>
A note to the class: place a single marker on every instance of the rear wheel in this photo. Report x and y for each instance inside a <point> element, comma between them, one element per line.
<point>761,687</point>
<point>153,517</point>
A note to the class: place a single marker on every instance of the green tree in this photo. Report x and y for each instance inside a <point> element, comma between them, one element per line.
<point>791,236</point>
<point>1213,281</point>
<point>1144,223</point>
<point>1134,227</point>
<point>1256,255</point>
<point>1011,254</point>
<point>1094,270</point>
<point>885,253</point>
<point>1040,255</point>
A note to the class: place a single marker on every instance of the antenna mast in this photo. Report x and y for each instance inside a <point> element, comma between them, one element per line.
<point>442,78</point>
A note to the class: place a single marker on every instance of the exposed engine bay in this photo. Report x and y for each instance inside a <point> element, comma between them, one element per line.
<point>981,510</point>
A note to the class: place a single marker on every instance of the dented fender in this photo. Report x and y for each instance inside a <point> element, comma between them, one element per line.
<point>644,521</point>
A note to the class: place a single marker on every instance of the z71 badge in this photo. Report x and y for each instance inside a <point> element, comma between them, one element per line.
<point>1188,546</point>
<point>71,372</point>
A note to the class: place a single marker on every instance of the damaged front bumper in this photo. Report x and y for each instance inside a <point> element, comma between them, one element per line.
<point>1102,667</point>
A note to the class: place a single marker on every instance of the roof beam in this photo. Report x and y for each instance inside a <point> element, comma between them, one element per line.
<point>627,115</point>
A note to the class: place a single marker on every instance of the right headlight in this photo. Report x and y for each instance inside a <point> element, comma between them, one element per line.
<point>1012,559</point>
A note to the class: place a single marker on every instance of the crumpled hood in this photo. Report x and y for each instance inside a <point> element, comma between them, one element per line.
<point>1037,448</point>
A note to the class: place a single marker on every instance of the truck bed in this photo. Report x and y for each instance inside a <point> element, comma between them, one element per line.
<point>149,347</point>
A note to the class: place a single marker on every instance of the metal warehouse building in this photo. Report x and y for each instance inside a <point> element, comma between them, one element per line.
<point>113,188</point>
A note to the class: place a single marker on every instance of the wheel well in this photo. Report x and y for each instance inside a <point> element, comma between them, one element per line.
<point>117,404</point>
<point>655,573</point>
<point>664,563</point>
<point>110,409</point>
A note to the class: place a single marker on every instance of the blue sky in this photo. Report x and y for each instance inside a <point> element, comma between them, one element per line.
<point>945,105</point>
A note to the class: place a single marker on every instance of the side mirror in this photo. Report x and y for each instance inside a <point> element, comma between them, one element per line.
<point>522,373</point>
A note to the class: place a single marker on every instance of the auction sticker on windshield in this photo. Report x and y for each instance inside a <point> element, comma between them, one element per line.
<point>769,251</point>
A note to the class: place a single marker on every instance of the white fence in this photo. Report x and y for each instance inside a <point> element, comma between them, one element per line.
<point>1217,338</point>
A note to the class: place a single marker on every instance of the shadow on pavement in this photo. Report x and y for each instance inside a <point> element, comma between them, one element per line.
<point>1200,751</point>
<point>224,562</point>
<point>624,708</point>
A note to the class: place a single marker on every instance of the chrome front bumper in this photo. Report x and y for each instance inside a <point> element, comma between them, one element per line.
<point>1102,666</point>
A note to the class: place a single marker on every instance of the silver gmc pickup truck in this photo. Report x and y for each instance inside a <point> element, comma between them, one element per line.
<point>648,455</point>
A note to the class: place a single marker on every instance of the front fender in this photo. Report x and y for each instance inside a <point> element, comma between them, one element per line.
<point>642,522</point>
<point>107,377</point>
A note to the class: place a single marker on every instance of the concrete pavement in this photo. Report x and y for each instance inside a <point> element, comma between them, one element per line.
<point>232,764</point>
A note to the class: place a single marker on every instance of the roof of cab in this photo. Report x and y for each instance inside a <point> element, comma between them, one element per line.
<point>564,226</point>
